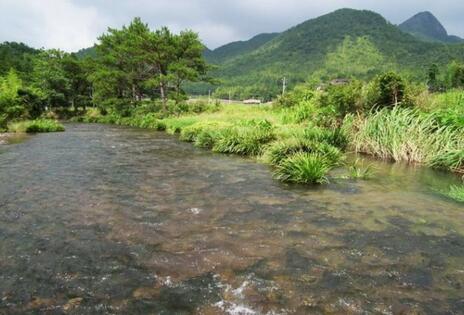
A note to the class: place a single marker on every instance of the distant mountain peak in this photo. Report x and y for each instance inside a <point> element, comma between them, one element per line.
<point>234,49</point>
<point>426,26</point>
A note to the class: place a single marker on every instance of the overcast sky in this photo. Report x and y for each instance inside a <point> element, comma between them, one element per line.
<point>74,24</point>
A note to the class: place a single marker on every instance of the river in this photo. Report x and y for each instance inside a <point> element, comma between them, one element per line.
<point>111,220</point>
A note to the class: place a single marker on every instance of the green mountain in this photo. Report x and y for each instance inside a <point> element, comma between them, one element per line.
<point>426,26</point>
<point>16,56</point>
<point>86,52</point>
<point>216,56</point>
<point>238,48</point>
<point>344,43</point>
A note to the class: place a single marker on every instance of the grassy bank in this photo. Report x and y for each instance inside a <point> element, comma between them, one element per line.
<point>298,151</point>
<point>36,126</point>
<point>456,193</point>
<point>306,135</point>
<point>408,135</point>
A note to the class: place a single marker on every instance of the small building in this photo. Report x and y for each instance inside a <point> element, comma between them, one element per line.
<point>252,101</point>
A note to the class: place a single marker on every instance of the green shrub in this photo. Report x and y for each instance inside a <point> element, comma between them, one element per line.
<point>301,93</point>
<point>304,168</point>
<point>309,111</point>
<point>335,137</point>
<point>195,107</point>
<point>244,138</point>
<point>36,126</point>
<point>207,138</point>
<point>344,99</point>
<point>391,88</point>
<point>456,193</point>
<point>448,108</point>
<point>202,130</point>
<point>280,150</point>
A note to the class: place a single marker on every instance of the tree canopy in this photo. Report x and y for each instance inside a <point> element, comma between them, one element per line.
<point>135,63</point>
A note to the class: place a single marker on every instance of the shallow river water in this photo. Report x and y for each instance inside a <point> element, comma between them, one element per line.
<point>112,220</point>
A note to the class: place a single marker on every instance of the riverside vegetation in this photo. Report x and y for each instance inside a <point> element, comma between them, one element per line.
<point>138,78</point>
<point>307,135</point>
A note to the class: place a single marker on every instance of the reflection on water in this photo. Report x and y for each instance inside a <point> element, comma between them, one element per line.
<point>109,220</point>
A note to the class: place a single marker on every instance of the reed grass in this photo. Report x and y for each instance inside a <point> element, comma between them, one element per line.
<point>456,193</point>
<point>244,138</point>
<point>278,151</point>
<point>303,168</point>
<point>408,135</point>
<point>358,170</point>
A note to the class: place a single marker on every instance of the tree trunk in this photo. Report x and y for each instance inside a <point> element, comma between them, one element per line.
<point>134,94</point>
<point>163,96</point>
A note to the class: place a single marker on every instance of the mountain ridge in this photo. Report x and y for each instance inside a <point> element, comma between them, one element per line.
<point>302,51</point>
<point>234,49</point>
<point>425,26</point>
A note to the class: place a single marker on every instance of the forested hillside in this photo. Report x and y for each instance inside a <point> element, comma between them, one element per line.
<point>235,49</point>
<point>426,26</point>
<point>347,42</point>
<point>16,56</point>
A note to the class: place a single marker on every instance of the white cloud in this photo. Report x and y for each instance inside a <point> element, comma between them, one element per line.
<point>50,23</point>
<point>74,24</point>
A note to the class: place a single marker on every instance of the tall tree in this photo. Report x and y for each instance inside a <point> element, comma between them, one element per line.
<point>121,68</point>
<point>188,64</point>
<point>134,63</point>
<point>79,86</point>
<point>160,55</point>
<point>51,79</point>
<point>10,105</point>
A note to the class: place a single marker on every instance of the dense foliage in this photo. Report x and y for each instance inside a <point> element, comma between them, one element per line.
<point>352,98</point>
<point>16,56</point>
<point>235,49</point>
<point>129,70</point>
<point>35,126</point>
<point>344,44</point>
<point>134,64</point>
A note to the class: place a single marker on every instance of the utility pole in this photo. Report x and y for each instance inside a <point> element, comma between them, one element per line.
<point>284,85</point>
<point>230,97</point>
<point>209,96</point>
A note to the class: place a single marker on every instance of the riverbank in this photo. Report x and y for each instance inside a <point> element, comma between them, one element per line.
<point>35,126</point>
<point>298,152</point>
<point>4,136</point>
<point>297,146</point>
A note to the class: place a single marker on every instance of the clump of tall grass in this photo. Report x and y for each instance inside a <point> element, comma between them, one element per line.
<point>203,134</point>
<point>207,138</point>
<point>280,150</point>
<point>335,137</point>
<point>357,170</point>
<point>190,133</point>
<point>305,158</point>
<point>304,168</point>
<point>407,135</point>
<point>450,159</point>
<point>456,193</point>
<point>244,138</point>
<point>36,126</point>
<point>447,108</point>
